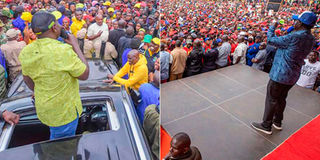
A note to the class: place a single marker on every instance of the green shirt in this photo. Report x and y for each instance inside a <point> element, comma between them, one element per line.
<point>53,67</point>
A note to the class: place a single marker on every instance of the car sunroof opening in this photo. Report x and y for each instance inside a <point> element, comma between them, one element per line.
<point>96,117</point>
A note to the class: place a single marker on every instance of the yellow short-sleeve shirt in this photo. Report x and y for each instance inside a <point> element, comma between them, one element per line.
<point>53,66</point>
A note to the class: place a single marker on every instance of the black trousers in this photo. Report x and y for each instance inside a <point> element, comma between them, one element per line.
<point>275,102</point>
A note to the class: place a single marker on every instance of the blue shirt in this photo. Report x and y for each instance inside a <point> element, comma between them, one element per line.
<point>149,95</point>
<point>125,59</point>
<point>292,50</point>
<point>252,52</point>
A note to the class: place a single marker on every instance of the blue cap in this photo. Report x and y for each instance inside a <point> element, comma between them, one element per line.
<point>290,29</point>
<point>218,40</point>
<point>307,18</point>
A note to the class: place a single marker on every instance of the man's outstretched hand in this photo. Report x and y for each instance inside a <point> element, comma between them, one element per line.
<point>109,80</point>
<point>10,117</point>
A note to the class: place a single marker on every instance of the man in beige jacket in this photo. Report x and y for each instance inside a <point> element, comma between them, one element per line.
<point>11,51</point>
<point>179,58</point>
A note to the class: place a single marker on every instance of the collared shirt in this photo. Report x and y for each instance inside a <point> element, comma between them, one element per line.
<point>240,51</point>
<point>76,26</point>
<point>292,50</point>
<point>224,51</point>
<point>53,67</point>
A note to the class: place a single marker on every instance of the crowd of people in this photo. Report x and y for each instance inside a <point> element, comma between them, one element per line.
<point>201,36</point>
<point>124,31</point>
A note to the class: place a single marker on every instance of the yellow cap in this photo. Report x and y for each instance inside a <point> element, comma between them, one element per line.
<point>26,16</point>
<point>57,14</point>
<point>110,10</point>
<point>143,30</point>
<point>138,5</point>
<point>156,41</point>
<point>107,3</point>
<point>79,5</point>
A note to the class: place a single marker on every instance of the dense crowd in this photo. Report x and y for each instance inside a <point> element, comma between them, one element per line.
<point>201,36</point>
<point>124,31</point>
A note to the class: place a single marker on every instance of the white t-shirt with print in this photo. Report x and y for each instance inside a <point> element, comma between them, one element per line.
<point>309,73</point>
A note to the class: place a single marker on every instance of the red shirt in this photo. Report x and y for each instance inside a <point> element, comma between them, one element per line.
<point>188,50</point>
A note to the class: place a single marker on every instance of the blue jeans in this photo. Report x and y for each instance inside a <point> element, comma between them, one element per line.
<point>65,130</point>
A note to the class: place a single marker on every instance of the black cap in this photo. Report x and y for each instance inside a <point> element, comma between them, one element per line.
<point>19,9</point>
<point>42,21</point>
<point>62,9</point>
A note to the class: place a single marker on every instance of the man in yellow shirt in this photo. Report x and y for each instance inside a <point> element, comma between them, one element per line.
<point>51,69</point>
<point>136,68</point>
<point>77,22</point>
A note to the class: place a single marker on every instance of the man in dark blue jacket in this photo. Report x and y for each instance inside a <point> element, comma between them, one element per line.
<point>292,50</point>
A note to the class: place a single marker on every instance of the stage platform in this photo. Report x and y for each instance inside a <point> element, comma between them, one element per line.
<point>216,109</point>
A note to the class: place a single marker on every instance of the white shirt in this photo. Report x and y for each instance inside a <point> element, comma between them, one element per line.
<point>240,51</point>
<point>308,74</point>
<point>95,29</point>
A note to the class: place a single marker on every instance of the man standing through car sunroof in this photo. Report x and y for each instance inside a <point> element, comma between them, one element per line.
<point>51,69</point>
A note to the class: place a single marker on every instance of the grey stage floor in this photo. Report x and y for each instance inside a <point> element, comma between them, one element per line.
<point>216,109</point>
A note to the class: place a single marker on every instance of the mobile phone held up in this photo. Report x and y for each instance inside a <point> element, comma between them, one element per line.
<point>64,34</point>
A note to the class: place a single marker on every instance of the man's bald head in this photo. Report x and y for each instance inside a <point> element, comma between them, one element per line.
<point>133,56</point>
<point>130,31</point>
<point>180,145</point>
<point>122,24</point>
<point>99,19</point>
<point>182,139</point>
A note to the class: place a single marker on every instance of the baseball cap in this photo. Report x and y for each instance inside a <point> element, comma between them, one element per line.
<point>5,12</point>
<point>26,16</point>
<point>156,41</point>
<point>79,5</point>
<point>57,14</point>
<point>42,21</point>
<point>110,10</point>
<point>19,9</point>
<point>137,5</point>
<point>307,18</point>
<point>281,21</point>
<point>218,40</point>
<point>11,33</point>
<point>107,3</point>
<point>147,38</point>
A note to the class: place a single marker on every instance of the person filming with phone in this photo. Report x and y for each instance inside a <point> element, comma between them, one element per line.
<point>51,69</point>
